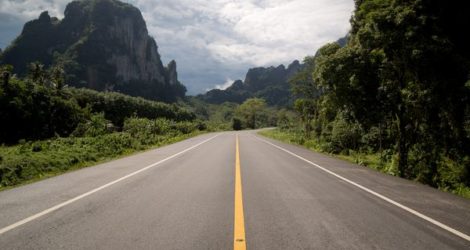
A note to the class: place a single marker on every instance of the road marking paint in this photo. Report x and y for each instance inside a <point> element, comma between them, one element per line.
<point>63,204</point>
<point>410,210</point>
<point>239,242</point>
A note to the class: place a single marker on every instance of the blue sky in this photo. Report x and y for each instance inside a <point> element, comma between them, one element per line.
<point>215,41</point>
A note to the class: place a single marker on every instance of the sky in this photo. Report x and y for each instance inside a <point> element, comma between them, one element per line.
<point>215,42</point>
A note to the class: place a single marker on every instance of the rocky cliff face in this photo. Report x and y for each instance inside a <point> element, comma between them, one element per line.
<point>270,83</point>
<point>260,78</point>
<point>103,45</point>
<point>171,73</point>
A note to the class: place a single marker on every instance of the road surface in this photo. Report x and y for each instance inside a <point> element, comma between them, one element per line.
<point>218,192</point>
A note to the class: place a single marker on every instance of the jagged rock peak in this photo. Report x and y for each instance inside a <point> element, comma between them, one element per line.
<point>172,74</point>
<point>270,83</point>
<point>294,65</point>
<point>133,53</point>
<point>103,44</point>
<point>293,68</point>
<point>44,17</point>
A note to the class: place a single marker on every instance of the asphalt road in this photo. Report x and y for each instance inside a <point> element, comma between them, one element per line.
<point>184,196</point>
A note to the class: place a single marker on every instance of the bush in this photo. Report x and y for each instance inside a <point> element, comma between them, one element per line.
<point>31,111</point>
<point>145,127</point>
<point>37,147</point>
<point>36,112</point>
<point>373,138</point>
<point>236,124</point>
<point>29,161</point>
<point>184,127</point>
<point>97,125</point>
<point>284,122</point>
<point>345,135</point>
<point>118,107</point>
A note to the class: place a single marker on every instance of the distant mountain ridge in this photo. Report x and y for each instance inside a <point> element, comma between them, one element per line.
<point>103,45</point>
<point>269,83</point>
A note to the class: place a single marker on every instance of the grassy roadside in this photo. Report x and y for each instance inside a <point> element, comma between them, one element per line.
<point>372,160</point>
<point>29,162</point>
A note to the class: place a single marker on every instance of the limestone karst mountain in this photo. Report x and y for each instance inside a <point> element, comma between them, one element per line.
<point>269,83</point>
<point>102,45</point>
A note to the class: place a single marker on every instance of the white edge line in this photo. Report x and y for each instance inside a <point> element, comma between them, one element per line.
<point>63,204</point>
<point>412,211</point>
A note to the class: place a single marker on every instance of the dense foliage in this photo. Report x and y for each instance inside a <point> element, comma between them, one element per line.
<point>39,107</point>
<point>117,107</point>
<point>253,113</point>
<point>50,128</point>
<point>92,143</point>
<point>400,88</point>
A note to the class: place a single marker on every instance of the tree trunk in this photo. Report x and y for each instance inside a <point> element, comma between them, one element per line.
<point>402,148</point>
<point>307,128</point>
<point>380,138</point>
<point>6,79</point>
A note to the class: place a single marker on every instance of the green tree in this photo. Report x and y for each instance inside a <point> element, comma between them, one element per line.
<point>404,68</point>
<point>302,84</point>
<point>306,108</point>
<point>5,71</point>
<point>57,77</point>
<point>251,111</point>
<point>37,73</point>
<point>284,119</point>
<point>236,124</point>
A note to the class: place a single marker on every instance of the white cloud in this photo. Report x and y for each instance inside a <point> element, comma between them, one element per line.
<point>213,39</point>
<point>222,86</point>
<point>30,9</point>
<point>282,30</point>
<point>235,35</point>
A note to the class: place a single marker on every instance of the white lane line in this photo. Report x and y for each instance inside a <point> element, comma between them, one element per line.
<point>412,211</point>
<point>63,204</point>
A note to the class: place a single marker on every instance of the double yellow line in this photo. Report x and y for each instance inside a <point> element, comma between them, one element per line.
<point>239,242</point>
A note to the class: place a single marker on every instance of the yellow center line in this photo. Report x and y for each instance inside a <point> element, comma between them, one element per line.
<point>239,242</point>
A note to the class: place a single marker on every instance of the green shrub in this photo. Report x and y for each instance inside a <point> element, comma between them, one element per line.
<point>184,127</point>
<point>373,138</point>
<point>26,162</point>
<point>37,147</point>
<point>345,135</point>
<point>118,107</point>
<point>31,111</point>
<point>95,126</point>
<point>145,127</point>
<point>236,124</point>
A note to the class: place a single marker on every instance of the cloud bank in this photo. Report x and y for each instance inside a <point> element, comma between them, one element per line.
<point>214,41</point>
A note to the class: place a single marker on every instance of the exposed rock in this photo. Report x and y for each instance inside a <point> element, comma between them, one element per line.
<point>103,45</point>
<point>237,85</point>
<point>293,68</point>
<point>270,83</point>
<point>259,78</point>
<point>343,41</point>
<point>172,75</point>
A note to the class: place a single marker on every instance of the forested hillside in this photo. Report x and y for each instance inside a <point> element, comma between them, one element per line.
<point>397,96</point>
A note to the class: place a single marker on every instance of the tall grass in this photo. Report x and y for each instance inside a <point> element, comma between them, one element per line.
<point>34,160</point>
